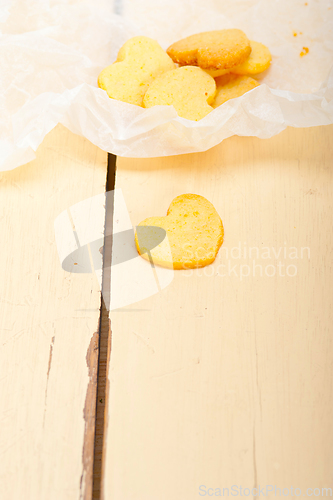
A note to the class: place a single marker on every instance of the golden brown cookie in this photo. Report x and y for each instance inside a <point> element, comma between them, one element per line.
<point>259,60</point>
<point>140,60</point>
<point>212,50</point>
<point>231,86</point>
<point>194,233</point>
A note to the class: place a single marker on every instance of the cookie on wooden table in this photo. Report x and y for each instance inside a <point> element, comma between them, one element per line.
<point>194,233</point>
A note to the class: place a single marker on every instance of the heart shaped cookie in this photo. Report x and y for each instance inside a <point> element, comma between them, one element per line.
<point>139,61</point>
<point>194,233</point>
<point>189,89</point>
<point>212,50</point>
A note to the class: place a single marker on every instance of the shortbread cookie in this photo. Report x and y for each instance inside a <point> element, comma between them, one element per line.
<point>139,62</point>
<point>212,50</point>
<point>259,60</point>
<point>194,234</point>
<point>189,89</point>
<point>231,86</point>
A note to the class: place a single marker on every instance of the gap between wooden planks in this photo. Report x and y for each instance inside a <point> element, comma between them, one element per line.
<point>104,346</point>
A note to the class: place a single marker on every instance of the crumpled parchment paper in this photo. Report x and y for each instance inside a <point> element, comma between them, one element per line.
<point>51,53</point>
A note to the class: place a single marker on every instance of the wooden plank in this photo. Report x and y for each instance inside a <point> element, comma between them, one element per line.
<point>49,326</point>
<point>222,379</point>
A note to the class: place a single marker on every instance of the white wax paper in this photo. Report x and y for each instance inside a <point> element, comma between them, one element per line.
<point>51,53</point>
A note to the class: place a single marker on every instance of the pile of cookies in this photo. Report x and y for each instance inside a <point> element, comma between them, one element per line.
<point>195,74</point>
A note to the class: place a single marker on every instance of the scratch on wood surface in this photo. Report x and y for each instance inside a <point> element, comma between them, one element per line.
<point>16,335</point>
<point>47,376</point>
<point>144,341</point>
<point>50,357</point>
<point>89,413</point>
<point>312,191</point>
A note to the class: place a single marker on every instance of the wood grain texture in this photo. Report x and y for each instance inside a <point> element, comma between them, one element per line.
<point>49,327</point>
<point>222,379</point>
